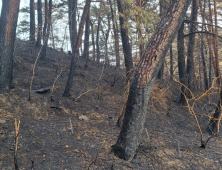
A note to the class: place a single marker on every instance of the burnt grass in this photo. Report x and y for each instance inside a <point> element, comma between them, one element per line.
<point>77,132</point>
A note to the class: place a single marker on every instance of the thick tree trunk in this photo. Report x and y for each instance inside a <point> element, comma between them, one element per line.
<point>75,53</point>
<point>127,51</point>
<point>8,24</point>
<point>144,76</point>
<point>32,21</point>
<point>190,49</point>
<point>116,36</point>
<point>39,33</point>
<point>97,33</point>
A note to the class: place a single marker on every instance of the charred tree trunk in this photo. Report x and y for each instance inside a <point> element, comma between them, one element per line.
<point>116,36</point>
<point>47,25</point>
<point>8,24</point>
<point>190,49</point>
<point>181,63</point>
<point>72,23</point>
<point>75,53</point>
<point>39,33</point>
<point>106,42</point>
<point>125,42</point>
<point>86,40</point>
<point>97,33</point>
<point>32,21</point>
<point>93,42</point>
<point>143,79</point>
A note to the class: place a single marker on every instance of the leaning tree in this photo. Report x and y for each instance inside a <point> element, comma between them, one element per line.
<point>144,76</point>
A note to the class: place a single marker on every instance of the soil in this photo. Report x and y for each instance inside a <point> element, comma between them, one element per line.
<point>77,132</point>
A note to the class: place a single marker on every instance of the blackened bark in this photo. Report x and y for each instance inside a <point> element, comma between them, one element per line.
<point>97,33</point>
<point>72,5</point>
<point>144,76</point>
<point>106,41</point>
<point>116,36</point>
<point>93,41</point>
<point>39,33</point>
<point>47,26</point>
<point>8,24</point>
<point>32,21</point>
<point>181,63</point>
<point>125,42</point>
<point>86,39</point>
<point>190,49</point>
<point>75,53</point>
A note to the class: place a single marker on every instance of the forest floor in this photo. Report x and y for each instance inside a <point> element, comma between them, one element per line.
<point>77,132</point>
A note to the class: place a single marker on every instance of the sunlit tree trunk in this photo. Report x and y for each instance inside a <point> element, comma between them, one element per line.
<point>144,76</point>
<point>8,24</point>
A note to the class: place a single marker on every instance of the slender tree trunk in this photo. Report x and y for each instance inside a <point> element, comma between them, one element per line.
<point>93,42</point>
<point>75,53</point>
<point>39,33</point>
<point>86,40</point>
<point>181,63</point>
<point>116,36</point>
<point>143,79</point>
<point>8,24</point>
<point>106,42</point>
<point>125,42</point>
<point>190,49</point>
<point>206,86</point>
<point>72,4</point>
<point>32,21</point>
<point>97,34</point>
<point>48,12</point>
<point>216,45</point>
<point>162,6</point>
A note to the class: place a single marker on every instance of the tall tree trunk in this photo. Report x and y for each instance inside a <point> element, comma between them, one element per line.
<point>97,33</point>
<point>144,76</point>
<point>162,6</point>
<point>216,44</point>
<point>72,5</point>
<point>181,63</point>
<point>127,51</point>
<point>39,33</point>
<point>106,42</point>
<point>32,21</point>
<point>47,25</point>
<point>206,86</point>
<point>75,53</point>
<point>116,36</point>
<point>86,40</point>
<point>8,24</point>
<point>93,41</point>
<point>190,49</point>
